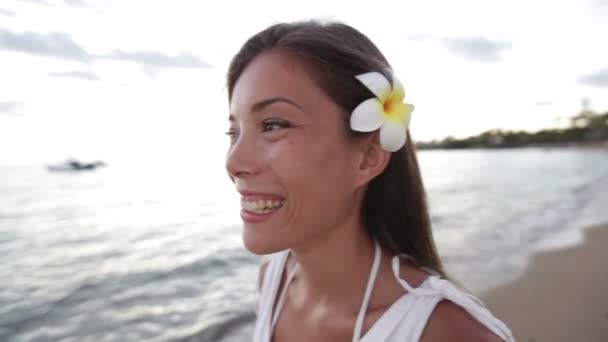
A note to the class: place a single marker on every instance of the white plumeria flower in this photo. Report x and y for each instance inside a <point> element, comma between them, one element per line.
<point>386,111</point>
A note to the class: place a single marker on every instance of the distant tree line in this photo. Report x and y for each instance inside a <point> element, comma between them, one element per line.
<point>584,128</point>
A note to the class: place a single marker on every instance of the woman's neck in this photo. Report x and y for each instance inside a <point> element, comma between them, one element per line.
<point>334,268</point>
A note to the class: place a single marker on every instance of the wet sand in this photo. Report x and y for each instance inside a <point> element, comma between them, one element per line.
<point>562,296</point>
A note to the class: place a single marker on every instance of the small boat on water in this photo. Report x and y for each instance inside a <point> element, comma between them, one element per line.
<point>75,165</point>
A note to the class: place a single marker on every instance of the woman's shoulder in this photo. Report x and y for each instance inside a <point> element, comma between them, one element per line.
<point>451,322</point>
<point>451,318</point>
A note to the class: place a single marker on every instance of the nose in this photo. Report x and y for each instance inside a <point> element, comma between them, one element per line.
<point>241,160</point>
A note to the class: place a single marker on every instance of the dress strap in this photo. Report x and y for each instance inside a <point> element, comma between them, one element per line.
<point>444,289</point>
<point>281,302</point>
<point>368,292</point>
<point>421,290</point>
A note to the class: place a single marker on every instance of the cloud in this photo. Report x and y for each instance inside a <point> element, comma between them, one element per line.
<point>476,48</point>
<point>72,3</point>
<point>419,37</point>
<point>54,44</point>
<point>157,59</point>
<point>597,79</point>
<point>61,45</point>
<point>153,61</point>
<point>89,76</point>
<point>479,48</point>
<point>38,2</point>
<point>76,3</point>
<point>9,107</point>
<point>7,13</point>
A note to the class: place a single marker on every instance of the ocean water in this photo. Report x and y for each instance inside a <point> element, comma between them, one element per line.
<point>154,253</point>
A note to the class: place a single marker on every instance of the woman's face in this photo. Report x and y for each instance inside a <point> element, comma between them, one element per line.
<point>290,157</point>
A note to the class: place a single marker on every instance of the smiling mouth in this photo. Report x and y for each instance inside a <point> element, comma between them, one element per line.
<point>262,206</point>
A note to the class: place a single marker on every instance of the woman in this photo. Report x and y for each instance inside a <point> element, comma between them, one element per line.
<point>331,187</point>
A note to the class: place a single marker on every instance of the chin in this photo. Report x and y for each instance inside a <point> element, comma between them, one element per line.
<point>261,244</point>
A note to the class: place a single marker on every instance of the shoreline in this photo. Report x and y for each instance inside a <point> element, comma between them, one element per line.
<point>561,296</point>
<point>601,146</point>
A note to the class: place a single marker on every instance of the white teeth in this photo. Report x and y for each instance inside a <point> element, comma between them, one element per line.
<point>262,206</point>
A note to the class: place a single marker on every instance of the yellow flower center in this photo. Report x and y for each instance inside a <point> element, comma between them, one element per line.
<point>391,110</point>
<point>388,105</point>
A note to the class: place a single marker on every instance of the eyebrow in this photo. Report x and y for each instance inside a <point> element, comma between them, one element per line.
<point>267,102</point>
<point>258,106</point>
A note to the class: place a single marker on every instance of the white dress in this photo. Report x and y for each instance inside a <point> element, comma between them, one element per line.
<point>405,319</point>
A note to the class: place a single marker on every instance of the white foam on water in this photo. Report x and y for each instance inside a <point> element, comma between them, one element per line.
<point>564,239</point>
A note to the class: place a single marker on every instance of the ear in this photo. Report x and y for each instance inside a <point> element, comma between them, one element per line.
<point>374,160</point>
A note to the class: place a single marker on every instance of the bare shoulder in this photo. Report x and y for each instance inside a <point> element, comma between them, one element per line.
<point>450,322</point>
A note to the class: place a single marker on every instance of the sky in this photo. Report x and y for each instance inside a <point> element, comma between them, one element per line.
<point>125,80</point>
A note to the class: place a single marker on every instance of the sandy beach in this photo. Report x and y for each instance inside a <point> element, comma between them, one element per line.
<point>562,296</point>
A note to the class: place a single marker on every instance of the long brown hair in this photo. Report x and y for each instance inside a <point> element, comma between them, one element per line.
<point>394,207</point>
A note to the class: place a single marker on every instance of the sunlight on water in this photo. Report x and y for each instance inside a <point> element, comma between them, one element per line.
<point>154,252</point>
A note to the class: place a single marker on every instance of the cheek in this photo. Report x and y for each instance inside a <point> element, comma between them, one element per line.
<point>318,179</point>
<point>311,163</point>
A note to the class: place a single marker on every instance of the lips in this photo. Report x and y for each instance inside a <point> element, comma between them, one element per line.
<point>257,207</point>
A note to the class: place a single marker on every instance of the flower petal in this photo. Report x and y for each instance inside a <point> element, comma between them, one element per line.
<point>368,116</point>
<point>398,93</point>
<point>408,114</point>
<point>392,136</point>
<point>400,112</point>
<point>377,84</point>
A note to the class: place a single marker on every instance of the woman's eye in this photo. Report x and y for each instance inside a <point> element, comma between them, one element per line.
<point>274,124</point>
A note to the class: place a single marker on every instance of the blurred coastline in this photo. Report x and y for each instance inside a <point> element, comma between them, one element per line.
<point>145,253</point>
<point>586,129</point>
